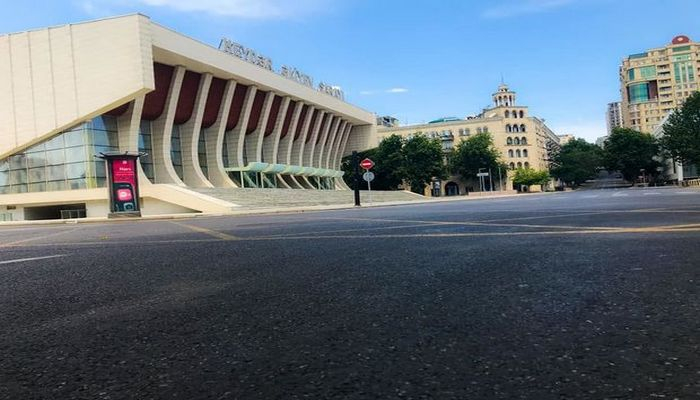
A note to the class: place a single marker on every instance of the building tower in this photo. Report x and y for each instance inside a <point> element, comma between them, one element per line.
<point>503,97</point>
<point>658,81</point>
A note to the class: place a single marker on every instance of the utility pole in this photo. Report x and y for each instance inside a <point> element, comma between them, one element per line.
<point>491,180</point>
<point>500,179</point>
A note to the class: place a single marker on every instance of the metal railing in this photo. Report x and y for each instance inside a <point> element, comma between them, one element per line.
<point>72,214</point>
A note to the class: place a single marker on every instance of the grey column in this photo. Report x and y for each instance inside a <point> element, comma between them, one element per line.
<point>214,137</point>
<point>236,136</point>
<point>254,141</point>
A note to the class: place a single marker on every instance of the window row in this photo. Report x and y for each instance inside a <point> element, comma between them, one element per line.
<point>515,128</point>
<point>515,114</point>
<point>519,165</point>
<point>516,141</point>
<point>518,153</point>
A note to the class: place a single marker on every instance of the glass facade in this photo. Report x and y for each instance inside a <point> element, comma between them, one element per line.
<point>683,71</point>
<point>202,154</point>
<point>66,161</point>
<point>146,146</point>
<point>648,72</point>
<point>175,151</point>
<point>638,92</point>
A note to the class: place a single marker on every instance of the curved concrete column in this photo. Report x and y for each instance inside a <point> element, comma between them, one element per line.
<point>284,154</point>
<point>271,143</point>
<point>298,147</point>
<point>254,141</point>
<point>162,130</point>
<point>236,137</point>
<point>128,128</point>
<point>214,137</point>
<point>335,144</point>
<point>338,156</point>
<point>307,156</point>
<point>331,125</point>
<point>189,138</point>
<point>310,146</point>
<point>328,149</point>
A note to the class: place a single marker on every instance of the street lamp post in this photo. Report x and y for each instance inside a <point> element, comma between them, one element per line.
<point>482,185</point>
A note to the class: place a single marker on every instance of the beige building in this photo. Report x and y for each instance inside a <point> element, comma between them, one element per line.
<point>205,117</point>
<point>657,81</point>
<point>524,141</point>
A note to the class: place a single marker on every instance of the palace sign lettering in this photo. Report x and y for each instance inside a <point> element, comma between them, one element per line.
<point>249,55</point>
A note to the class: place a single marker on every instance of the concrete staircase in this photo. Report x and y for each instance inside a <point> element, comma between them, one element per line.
<point>285,198</point>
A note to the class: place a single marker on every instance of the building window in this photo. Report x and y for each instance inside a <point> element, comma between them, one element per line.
<point>175,152</point>
<point>509,129</point>
<point>507,114</point>
<point>478,130</point>
<point>520,165</point>
<point>525,153</point>
<point>512,165</point>
<point>146,146</point>
<point>64,162</point>
<point>527,164</point>
<point>518,154</point>
<point>510,153</point>
<point>485,129</point>
<point>515,128</point>
<point>516,141</point>
<point>523,140</point>
<point>466,131</point>
<point>509,140</point>
<point>202,154</point>
<point>522,114</point>
<point>522,128</point>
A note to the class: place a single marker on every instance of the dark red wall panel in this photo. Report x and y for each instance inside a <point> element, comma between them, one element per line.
<point>188,96</point>
<point>274,112</point>
<point>288,118</point>
<point>216,95</point>
<point>154,103</point>
<point>234,114</point>
<point>256,111</point>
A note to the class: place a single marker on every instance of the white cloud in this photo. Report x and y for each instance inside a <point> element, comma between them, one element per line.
<point>251,9</point>
<point>396,90</point>
<point>522,7</point>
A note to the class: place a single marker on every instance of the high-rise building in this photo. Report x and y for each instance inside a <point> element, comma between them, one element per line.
<point>614,116</point>
<point>657,81</point>
<point>564,139</point>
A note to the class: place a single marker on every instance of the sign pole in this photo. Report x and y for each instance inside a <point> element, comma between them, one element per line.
<point>356,177</point>
<point>369,190</point>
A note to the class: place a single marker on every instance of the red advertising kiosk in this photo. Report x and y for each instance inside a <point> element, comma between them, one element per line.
<point>123,184</point>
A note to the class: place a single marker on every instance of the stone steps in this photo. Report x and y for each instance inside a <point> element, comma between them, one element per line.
<point>283,198</point>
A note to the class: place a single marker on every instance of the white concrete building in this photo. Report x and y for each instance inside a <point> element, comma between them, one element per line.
<point>206,117</point>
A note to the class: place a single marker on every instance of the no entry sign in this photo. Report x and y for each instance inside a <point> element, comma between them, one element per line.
<point>367,163</point>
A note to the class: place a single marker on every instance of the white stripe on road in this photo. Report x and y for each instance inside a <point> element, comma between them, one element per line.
<point>620,194</point>
<point>31,259</point>
<point>651,193</point>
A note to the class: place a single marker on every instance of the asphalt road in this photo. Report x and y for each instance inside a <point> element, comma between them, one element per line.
<point>589,295</point>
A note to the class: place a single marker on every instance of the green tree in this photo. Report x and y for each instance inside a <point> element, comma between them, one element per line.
<point>477,152</point>
<point>681,138</point>
<point>577,161</point>
<point>529,176</point>
<point>388,158</point>
<point>630,152</point>
<point>349,169</point>
<point>422,161</point>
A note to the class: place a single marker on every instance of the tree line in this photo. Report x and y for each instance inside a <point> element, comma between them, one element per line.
<point>634,153</point>
<point>419,160</point>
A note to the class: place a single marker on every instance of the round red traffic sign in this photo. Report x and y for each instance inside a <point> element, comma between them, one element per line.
<point>367,163</point>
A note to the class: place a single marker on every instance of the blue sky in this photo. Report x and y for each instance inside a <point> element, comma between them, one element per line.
<point>420,60</point>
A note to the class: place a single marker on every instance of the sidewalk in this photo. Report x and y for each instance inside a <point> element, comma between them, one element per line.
<point>275,210</point>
